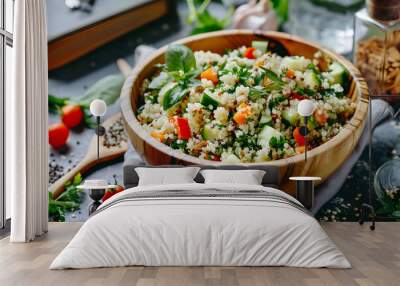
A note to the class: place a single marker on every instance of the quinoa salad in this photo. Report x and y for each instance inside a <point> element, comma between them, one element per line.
<point>241,107</point>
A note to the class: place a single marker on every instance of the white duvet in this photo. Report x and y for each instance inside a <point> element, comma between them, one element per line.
<point>200,231</point>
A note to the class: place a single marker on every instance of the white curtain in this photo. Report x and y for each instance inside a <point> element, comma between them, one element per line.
<point>26,123</point>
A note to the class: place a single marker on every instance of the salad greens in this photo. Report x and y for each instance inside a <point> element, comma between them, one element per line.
<point>202,20</point>
<point>69,200</point>
<point>180,65</point>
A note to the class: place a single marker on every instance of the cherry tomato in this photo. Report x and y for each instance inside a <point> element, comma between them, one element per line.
<point>58,135</point>
<point>112,192</point>
<point>119,189</point>
<point>72,115</point>
<point>300,139</point>
<point>249,53</point>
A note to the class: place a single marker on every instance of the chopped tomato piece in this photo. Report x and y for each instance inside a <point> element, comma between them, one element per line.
<point>159,135</point>
<point>290,73</point>
<point>297,96</point>
<point>183,128</point>
<point>249,53</point>
<point>300,139</point>
<point>210,74</point>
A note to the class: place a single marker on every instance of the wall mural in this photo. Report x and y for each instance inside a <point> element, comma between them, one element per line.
<point>212,107</point>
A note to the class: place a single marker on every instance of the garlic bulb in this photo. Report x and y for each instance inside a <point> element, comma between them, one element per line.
<point>255,15</point>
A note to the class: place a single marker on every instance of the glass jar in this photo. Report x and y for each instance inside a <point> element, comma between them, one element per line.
<point>329,22</point>
<point>376,51</point>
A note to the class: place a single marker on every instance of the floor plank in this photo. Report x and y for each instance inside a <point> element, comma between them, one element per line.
<point>375,257</point>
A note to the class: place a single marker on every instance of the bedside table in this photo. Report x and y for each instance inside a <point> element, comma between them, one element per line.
<point>305,190</point>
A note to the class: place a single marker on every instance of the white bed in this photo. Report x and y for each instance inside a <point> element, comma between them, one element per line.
<point>225,225</point>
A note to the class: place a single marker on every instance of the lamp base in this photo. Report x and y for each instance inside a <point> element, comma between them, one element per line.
<point>100,131</point>
<point>96,195</point>
<point>305,193</point>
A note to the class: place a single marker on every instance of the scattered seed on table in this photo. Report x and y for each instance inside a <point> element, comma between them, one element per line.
<point>56,171</point>
<point>115,134</point>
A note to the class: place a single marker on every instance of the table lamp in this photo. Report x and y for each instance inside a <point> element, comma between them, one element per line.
<point>98,108</point>
<point>305,184</point>
<point>305,109</point>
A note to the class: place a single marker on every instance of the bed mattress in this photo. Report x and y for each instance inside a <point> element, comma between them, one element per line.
<point>201,225</point>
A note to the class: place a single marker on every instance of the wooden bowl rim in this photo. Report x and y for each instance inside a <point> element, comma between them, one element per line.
<point>357,121</point>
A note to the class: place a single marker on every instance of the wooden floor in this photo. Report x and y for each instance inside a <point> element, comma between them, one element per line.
<point>375,257</point>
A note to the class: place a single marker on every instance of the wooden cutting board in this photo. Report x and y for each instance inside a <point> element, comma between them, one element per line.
<point>90,159</point>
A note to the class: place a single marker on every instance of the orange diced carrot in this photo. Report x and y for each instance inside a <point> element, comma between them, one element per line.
<point>290,73</point>
<point>210,74</point>
<point>159,135</point>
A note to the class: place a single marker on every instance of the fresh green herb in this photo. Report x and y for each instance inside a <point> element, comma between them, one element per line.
<point>173,96</point>
<point>255,93</point>
<point>243,74</point>
<point>179,145</point>
<point>272,76</point>
<point>275,101</point>
<point>248,141</point>
<point>152,96</point>
<point>328,92</point>
<point>277,143</point>
<point>55,103</point>
<point>281,8</point>
<point>305,91</point>
<point>69,200</point>
<point>179,58</point>
<point>180,64</point>
<point>159,81</point>
<point>107,89</point>
<point>201,19</point>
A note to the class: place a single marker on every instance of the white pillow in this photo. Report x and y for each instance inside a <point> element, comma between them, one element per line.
<point>166,176</point>
<point>247,177</point>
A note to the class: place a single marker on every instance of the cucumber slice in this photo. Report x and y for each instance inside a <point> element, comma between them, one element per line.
<point>338,74</point>
<point>164,90</point>
<point>266,119</point>
<point>291,116</point>
<point>295,63</point>
<point>210,133</point>
<point>266,134</point>
<point>260,45</point>
<point>311,79</point>
<point>207,100</point>
<point>311,123</point>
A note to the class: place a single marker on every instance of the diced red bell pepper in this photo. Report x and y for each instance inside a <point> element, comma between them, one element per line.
<point>297,96</point>
<point>183,128</point>
<point>300,139</point>
<point>249,53</point>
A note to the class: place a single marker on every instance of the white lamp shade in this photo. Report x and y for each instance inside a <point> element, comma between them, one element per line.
<point>305,107</point>
<point>98,107</point>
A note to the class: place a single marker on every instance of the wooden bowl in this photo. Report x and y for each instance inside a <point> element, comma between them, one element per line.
<point>322,160</point>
